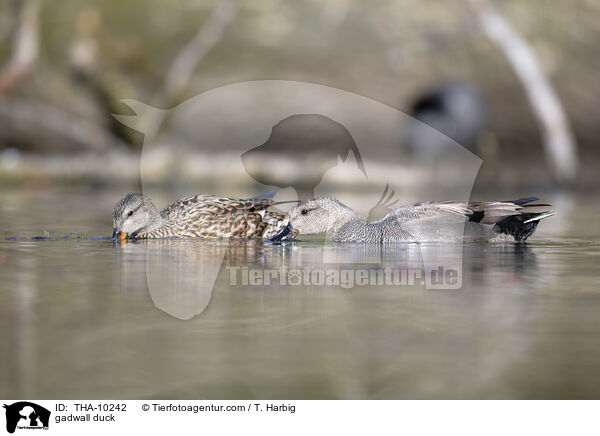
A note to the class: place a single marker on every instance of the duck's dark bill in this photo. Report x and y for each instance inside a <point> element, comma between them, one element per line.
<point>284,233</point>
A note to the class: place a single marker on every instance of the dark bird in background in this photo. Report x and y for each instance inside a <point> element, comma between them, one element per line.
<point>313,143</point>
<point>457,110</point>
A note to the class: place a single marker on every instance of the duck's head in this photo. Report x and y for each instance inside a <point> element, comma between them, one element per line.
<point>134,214</point>
<point>317,215</point>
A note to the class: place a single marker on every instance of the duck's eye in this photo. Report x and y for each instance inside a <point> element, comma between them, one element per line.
<point>130,213</point>
<point>304,211</point>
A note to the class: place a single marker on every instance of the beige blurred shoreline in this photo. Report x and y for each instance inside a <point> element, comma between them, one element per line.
<point>118,168</point>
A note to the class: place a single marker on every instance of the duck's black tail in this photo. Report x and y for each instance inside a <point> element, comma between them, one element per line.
<point>522,225</point>
<point>515,218</point>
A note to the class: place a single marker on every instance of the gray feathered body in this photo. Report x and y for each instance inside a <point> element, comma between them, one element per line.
<point>359,230</point>
<point>425,222</point>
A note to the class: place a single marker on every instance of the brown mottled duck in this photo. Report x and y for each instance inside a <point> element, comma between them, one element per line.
<point>136,217</point>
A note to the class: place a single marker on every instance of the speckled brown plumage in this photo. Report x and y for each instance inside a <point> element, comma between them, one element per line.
<point>204,216</point>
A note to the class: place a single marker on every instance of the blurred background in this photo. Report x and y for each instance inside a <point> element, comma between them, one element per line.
<point>515,82</point>
<point>66,66</point>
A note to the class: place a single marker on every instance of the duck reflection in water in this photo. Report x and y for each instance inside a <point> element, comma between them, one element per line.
<point>181,275</point>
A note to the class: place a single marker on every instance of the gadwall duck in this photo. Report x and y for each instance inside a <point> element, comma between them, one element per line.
<point>136,217</point>
<point>420,222</point>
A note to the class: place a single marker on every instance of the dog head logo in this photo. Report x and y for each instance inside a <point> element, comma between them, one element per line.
<point>314,142</point>
<point>302,139</point>
<point>26,415</point>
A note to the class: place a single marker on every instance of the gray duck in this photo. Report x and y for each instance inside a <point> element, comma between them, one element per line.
<point>421,222</point>
<point>136,217</point>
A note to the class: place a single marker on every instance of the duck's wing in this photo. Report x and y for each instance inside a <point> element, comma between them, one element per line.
<point>430,210</point>
<point>221,217</point>
<point>423,222</point>
<point>516,218</point>
<point>185,205</point>
<point>265,195</point>
<point>489,212</point>
<point>492,212</point>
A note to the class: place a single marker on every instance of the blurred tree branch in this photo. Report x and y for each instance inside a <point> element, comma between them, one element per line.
<point>25,46</point>
<point>191,54</point>
<point>25,113</point>
<point>558,137</point>
<point>185,62</point>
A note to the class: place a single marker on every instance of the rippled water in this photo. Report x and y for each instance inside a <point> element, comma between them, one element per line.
<point>85,318</point>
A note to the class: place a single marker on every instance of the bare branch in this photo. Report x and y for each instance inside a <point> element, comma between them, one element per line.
<point>561,149</point>
<point>190,55</point>
<point>38,118</point>
<point>186,60</point>
<point>25,47</point>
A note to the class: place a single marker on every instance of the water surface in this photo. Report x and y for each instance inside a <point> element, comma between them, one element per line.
<point>86,318</point>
